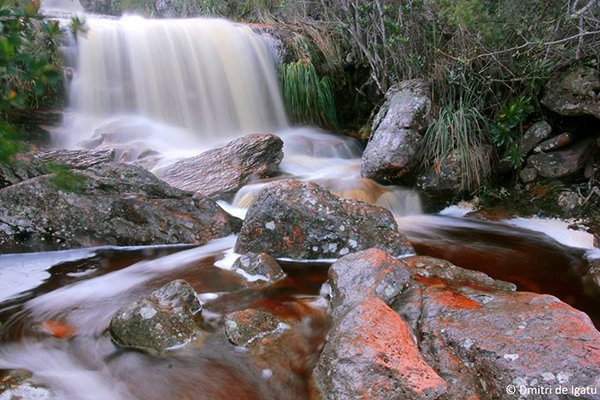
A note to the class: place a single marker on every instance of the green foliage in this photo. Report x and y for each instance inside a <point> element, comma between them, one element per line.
<point>308,99</point>
<point>460,131</point>
<point>507,128</point>
<point>29,65</point>
<point>63,178</point>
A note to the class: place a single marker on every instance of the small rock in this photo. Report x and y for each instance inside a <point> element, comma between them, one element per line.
<point>569,200</point>
<point>557,142</point>
<point>527,174</point>
<point>242,327</point>
<point>538,132</point>
<point>259,268</point>
<point>161,321</point>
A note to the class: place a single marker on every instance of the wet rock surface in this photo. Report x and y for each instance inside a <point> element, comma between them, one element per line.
<point>391,152</point>
<point>106,204</point>
<point>163,320</point>
<point>221,172</point>
<point>242,327</point>
<point>259,269</point>
<point>574,93</point>
<point>350,284</point>
<point>474,335</point>
<point>301,220</point>
<point>371,354</point>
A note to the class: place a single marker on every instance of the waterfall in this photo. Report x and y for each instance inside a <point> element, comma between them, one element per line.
<point>211,77</point>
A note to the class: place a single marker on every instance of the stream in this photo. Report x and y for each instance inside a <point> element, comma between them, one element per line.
<point>55,307</point>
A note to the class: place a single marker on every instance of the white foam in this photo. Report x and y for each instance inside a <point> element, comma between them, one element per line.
<point>22,272</point>
<point>556,229</point>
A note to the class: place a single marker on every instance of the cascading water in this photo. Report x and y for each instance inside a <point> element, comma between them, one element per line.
<point>211,77</point>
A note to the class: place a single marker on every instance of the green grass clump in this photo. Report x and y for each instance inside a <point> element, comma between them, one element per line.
<point>463,129</point>
<point>308,98</point>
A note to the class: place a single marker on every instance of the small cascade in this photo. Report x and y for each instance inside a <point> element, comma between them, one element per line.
<point>213,78</point>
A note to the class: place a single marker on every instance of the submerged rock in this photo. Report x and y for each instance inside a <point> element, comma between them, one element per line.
<point>391,152</point>
<point>163,320</point>
<point>259,269</point>
<point>242,327</point>
<point>106,204</point>
<point>301,220</point>
<point>575,92</point>
<point>221,172</point>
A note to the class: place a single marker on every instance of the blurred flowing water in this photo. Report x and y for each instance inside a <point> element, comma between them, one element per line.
<point>176,88</point>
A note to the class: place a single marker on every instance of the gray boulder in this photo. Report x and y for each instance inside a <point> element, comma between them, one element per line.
<point>575,92</point>
<point>301,220</point>
<point>163,320</point>
<point>106,204</point>
<point>567,161</point>
<point>220,173</point>
<point>391,151</point>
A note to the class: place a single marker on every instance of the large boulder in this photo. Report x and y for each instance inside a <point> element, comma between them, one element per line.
<point>483,337</point>
<point>161,321</point>
<point>567,161</point>
<point>371,354</point>
<point>391,152</point>
<point>106,204</point>
<point>220,173</point>
<point>480,336</point>
<point>575,92</point>
<point>301,220</point>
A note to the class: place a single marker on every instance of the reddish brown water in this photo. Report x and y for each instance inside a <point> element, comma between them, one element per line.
<point>79,297</point>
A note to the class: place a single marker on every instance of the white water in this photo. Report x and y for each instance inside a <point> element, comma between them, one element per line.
<point>213,78</point>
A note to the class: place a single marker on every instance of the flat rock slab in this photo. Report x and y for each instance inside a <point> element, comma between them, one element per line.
<point>220,173</point>
<point>567,161</point>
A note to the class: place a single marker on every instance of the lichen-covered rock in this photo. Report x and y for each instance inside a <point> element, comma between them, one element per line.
<point>556,164</point>
<point>301,220</point>
<point>221,172</point>
<point>163,320</point>
<point>29,165</point>
<point>445,177</point>
<point>575,92</point>
<point>242,327</point>
<point>539,131</point>
<point>481,335</point>
<point>371,354</point>
<point>364,275</point>
<point>259,269</point>
<point>527,174</point>
<point>107,204</point>
<point>397,127</point>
